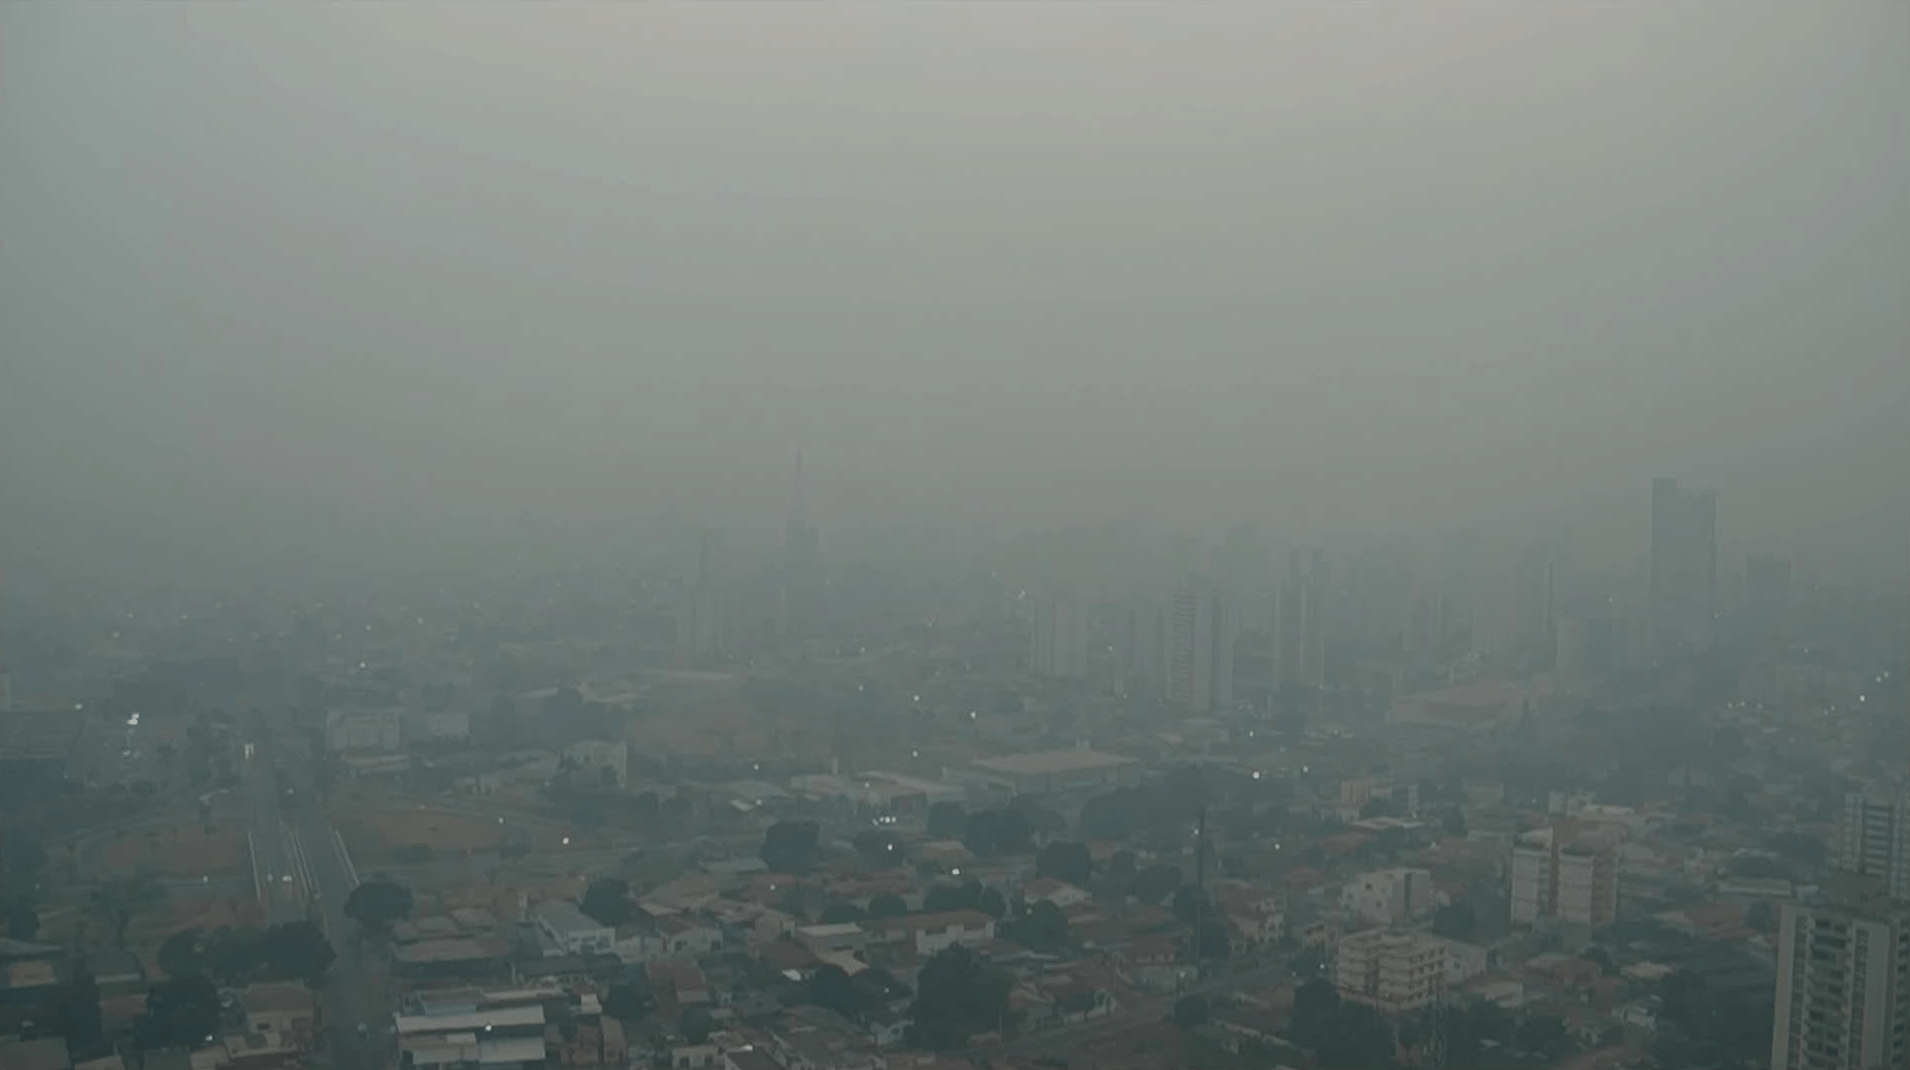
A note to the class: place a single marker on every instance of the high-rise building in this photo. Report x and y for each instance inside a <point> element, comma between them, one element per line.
<point>801,565</point>
<point>1299,623</point>
<point>703,623</point>
<point>1873,838</point>
<point>1060,642</point>
<point>1767,598</point>
<point>1200,633</point>
<point>1683,590</point>
<point>1843,983</point>
<point>1537,590</point>
<point>1560,875</point>
<point>1144,645</point>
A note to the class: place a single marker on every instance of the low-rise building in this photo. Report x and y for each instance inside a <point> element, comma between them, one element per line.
<point>1388,896</point>
<point>570,930</point>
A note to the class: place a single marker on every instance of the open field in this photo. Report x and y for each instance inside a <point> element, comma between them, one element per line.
<point>205,915</point>
<point>379,836</point>
<point>184,849</point>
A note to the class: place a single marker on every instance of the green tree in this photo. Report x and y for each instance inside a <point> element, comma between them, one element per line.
<point>957,996</point>
<point>698,1024</point>
<point>232,954</point>
<point>1190,1012</point>
<point>181,954</point>
<point>1065,860</point>
<point>840,911</point>
<point>122,900</point>
<point>628,1001</point>
<point>22,918</point>
<point>877,848</point>
<point>76,1015</point>
<point>831,987</point>
<point>607,901</point>
<point>947,819</point>
<point>1043,928</point>
<point>1455,920</point>
<point>376,904</point>
<point>181,1012</point>
<point>992,903</point>
<point>792,846</point>
<point>298,949</point>
<point>887,905</point>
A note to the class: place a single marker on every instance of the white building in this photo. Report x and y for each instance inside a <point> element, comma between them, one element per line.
<point>1559,874</point>
<point>1060,641</point>
<point>423,725</point>
<point>1201,632</point>
<point>365,731</point>
<point>1048,773</point>
<point>934,933</point>
<point>1388,896</point>
<point>1843,987</point>
<point>602,754</point>
<point>572,931</point>
<point>1391,972</point>
<point>1873,838</point>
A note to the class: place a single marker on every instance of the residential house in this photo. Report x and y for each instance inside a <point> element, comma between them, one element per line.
<point>570,931</point>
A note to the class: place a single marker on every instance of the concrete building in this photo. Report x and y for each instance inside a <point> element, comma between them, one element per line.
<point>1843,985</point>
<point>1388,896</point>
<point>602,755</point>
<point>1561,874</point>
<point>1047,773</point>
<point>1873,838</point>
<point>1299,623</point>
<point>1682,586</point>
<point>1394,973</point>
<point>1059,647</point>
<point>1199,660</point>
<point>365,731</point>
<point>704,621</point>
<point>572,931</point>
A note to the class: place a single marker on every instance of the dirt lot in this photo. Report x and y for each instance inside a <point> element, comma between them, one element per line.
<point>376,835</point>
<point>206,915</point>
<point>182,850</point>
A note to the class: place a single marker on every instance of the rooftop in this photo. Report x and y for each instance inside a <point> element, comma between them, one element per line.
<point>1048,762</point>
<point>499,1018</point>
<point>563,916</point>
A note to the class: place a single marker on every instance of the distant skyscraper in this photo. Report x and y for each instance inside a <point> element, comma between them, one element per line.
<point>802,566</point>
<point>1145,646</point>
<point>1536,594</point>
<point>1201,632</point>
<point>1059,645</point>
<point>1767,598</point>
<point>1843,983</point>
<point>702,624</point>
<point>1299,623</point>
<point>1683,590</point>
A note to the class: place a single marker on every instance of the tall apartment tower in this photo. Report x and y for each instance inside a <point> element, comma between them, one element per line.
<point>1767,598</point>
<point>1683,582</point>
<point>1199,660</point>
<point>1843,983</point>
<point>1299,623</point>
<point>702,624</point>
<point>1059,647</point>
<point>1873,839</point>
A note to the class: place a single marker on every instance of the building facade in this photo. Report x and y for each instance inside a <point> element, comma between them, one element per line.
<point>1843,987</point>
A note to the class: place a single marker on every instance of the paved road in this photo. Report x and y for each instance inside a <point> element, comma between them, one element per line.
<point>276,873</point>
<point>354,989</point>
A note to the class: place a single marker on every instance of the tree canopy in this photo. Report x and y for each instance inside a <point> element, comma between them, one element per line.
<point>607,901</point>
<point>957,996</point>
<point>1065,860</point>
<point>792,846</point>
<point>376,904</point>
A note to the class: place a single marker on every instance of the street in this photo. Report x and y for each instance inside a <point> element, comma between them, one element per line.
<point>298,840</point>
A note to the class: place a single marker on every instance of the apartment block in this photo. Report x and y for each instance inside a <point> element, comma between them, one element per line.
<point>1843,985</point>
<point>1391,972</point>
<point>1563,874</point>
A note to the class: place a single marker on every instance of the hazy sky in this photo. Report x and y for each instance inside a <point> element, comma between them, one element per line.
<point>362,273</point>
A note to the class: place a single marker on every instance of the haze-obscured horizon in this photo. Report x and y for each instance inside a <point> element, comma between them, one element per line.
<point>355,283</point>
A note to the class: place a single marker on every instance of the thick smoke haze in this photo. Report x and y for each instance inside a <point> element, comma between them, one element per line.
<point>394,282</point>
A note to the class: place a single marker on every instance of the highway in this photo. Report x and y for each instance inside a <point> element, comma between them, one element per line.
<point>299,837</point>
